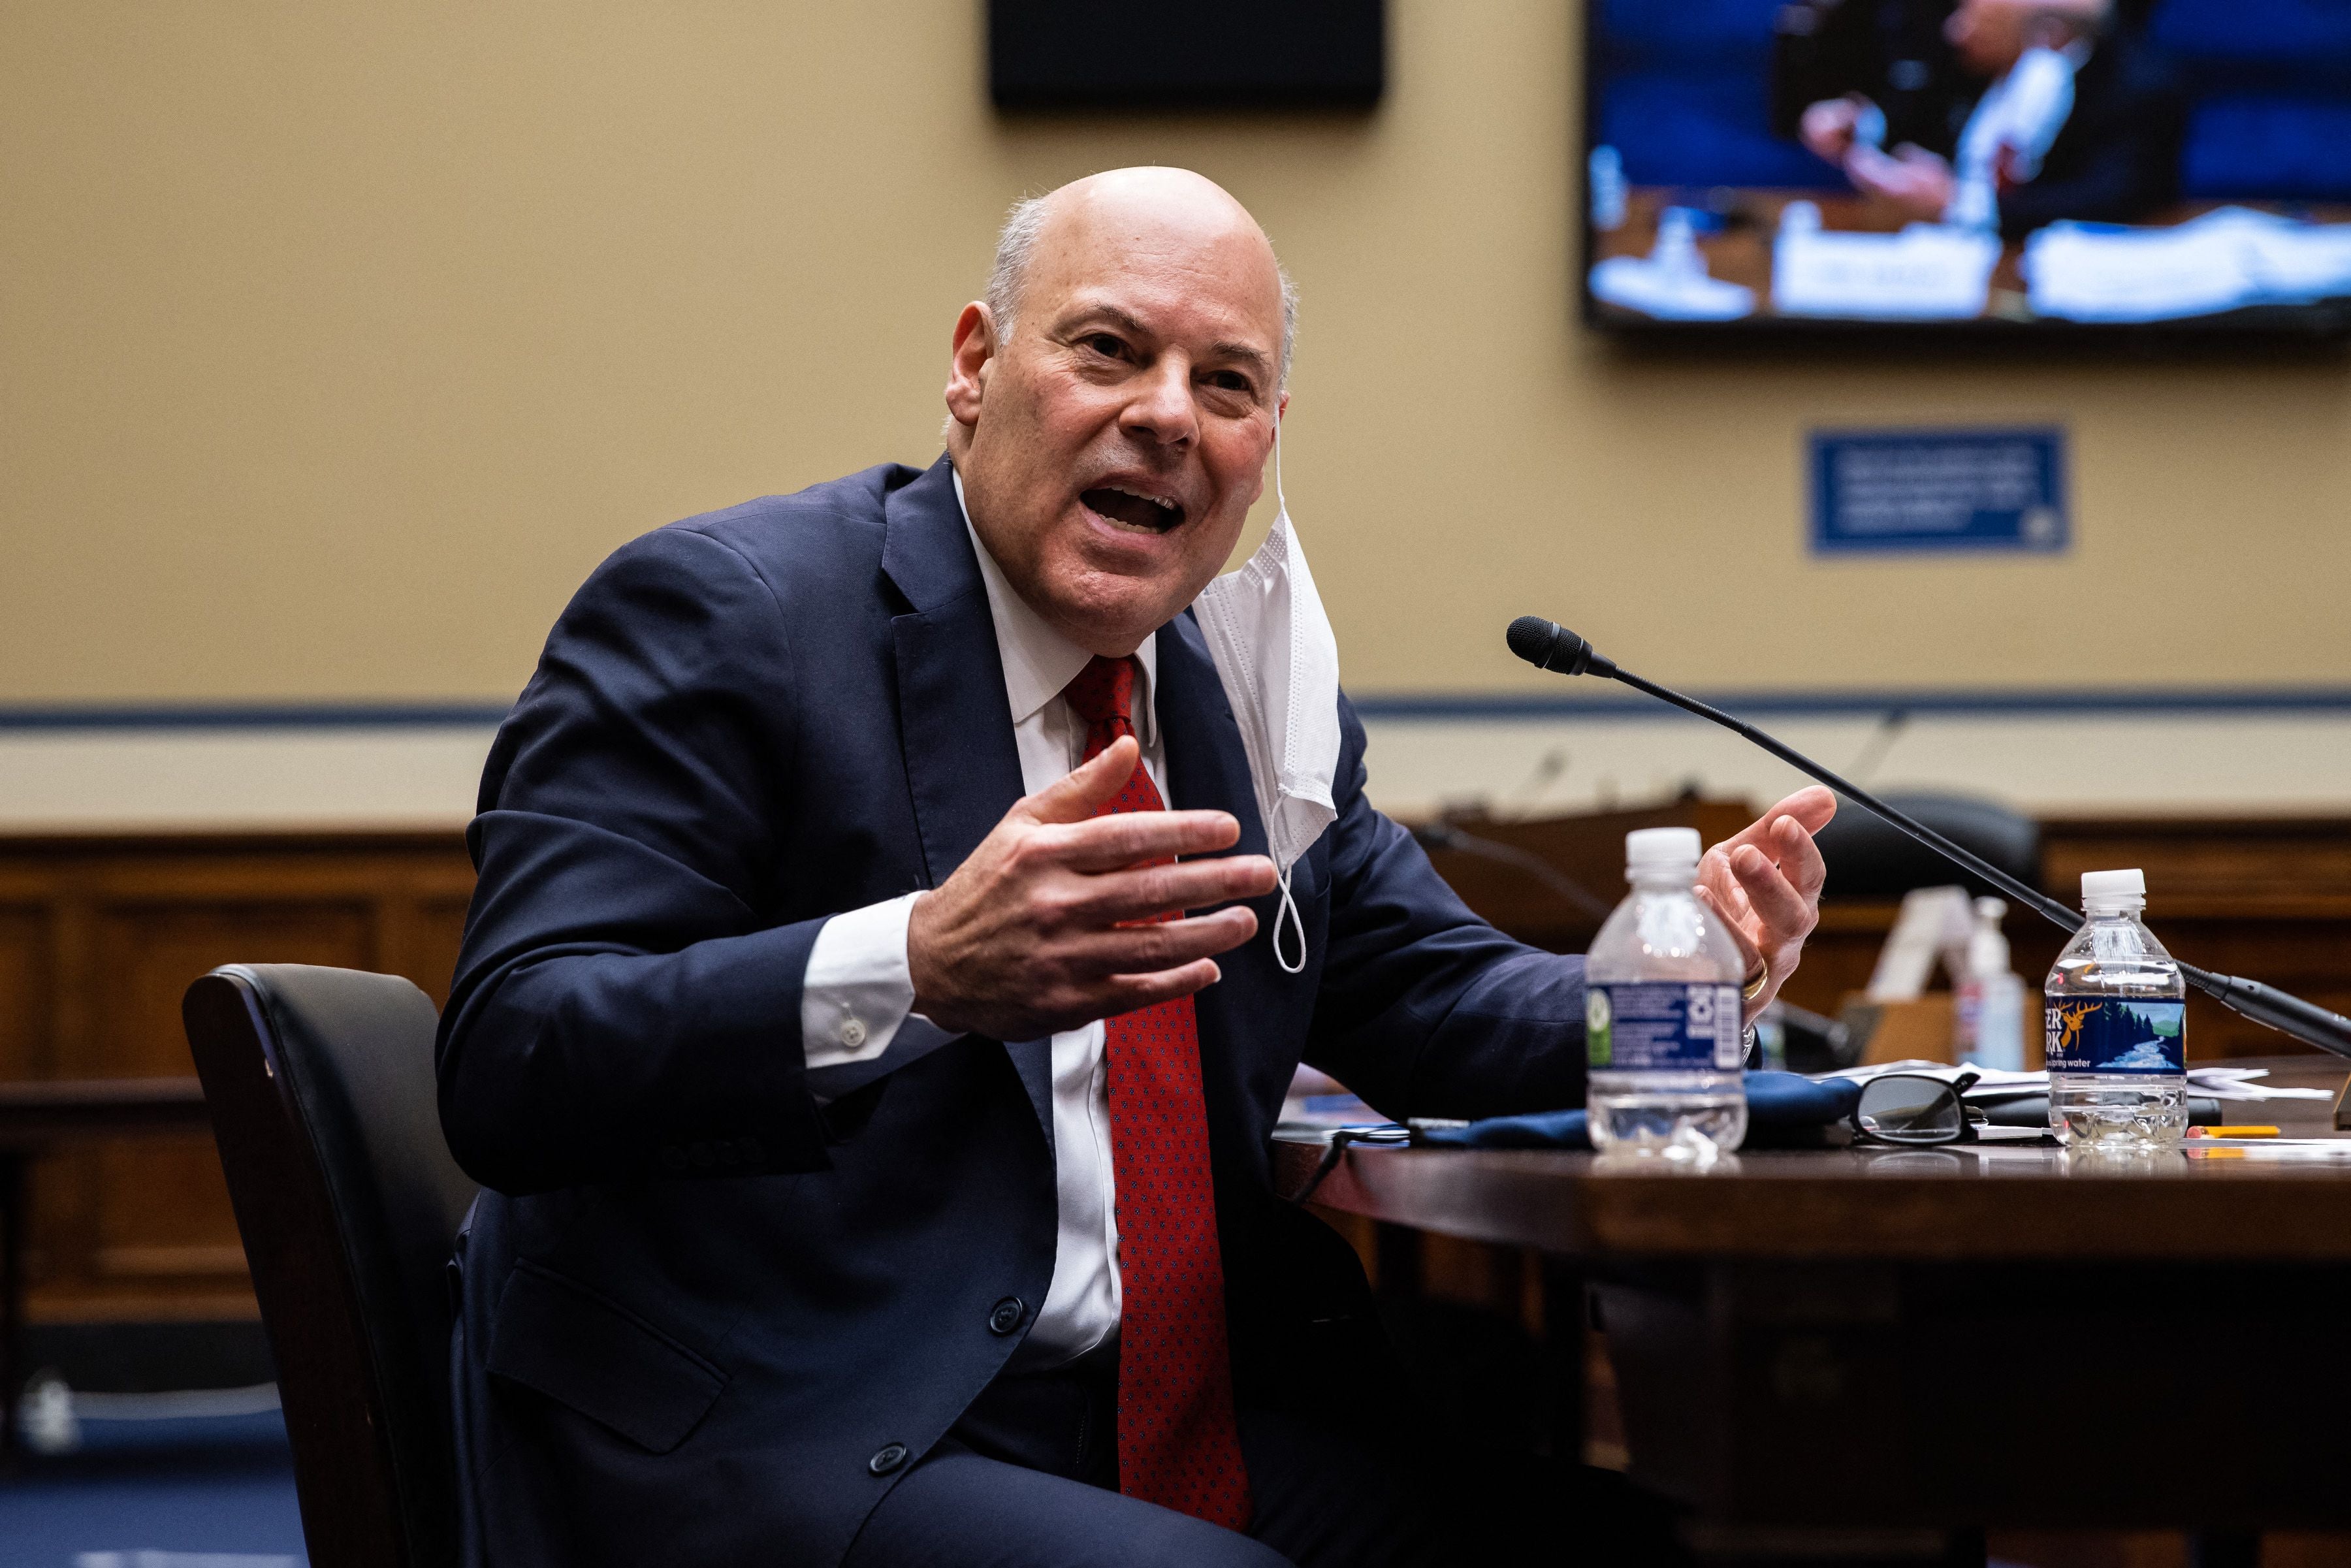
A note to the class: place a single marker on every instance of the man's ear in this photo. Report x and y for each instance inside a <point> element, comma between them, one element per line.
<point>973,358</point>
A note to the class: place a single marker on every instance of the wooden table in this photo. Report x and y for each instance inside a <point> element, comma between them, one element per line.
<point>33,1118</point>
<point>1894,1338</point>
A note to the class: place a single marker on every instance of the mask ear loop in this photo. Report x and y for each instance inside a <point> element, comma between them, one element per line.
<point>1280,501</point>
<point>1288,910</point>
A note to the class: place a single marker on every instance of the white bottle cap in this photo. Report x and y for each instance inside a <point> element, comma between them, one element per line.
<point>1661,851</point>
<point>2109,888</point>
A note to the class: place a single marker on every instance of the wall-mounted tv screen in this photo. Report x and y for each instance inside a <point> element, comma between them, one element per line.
<point>2014,167</point>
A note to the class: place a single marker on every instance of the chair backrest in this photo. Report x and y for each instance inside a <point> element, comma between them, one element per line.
<point>1868,858</point>
<point>321,1090</point>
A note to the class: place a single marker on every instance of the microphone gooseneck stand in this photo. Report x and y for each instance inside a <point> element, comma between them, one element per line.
<point>1548,645</point>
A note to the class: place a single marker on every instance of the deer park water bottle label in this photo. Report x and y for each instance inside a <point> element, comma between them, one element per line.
<point>2112,1035</point>
<point>1666,1026</point>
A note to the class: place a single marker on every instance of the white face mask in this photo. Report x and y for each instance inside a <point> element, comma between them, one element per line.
<point>1280,664</point>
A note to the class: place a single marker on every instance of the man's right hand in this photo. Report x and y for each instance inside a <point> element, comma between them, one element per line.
<point>1039,930</point>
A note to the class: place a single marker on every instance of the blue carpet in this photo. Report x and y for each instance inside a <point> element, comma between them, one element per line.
<point>208,1492</point>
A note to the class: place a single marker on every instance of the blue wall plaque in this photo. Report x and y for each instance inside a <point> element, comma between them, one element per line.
<point>1958,491</point>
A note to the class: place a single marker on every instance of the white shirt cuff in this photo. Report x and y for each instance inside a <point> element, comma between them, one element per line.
<point>857,997</point>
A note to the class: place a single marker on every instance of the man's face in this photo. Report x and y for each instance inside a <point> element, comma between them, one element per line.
<point>1990,36</point>
<point>1111,450</point>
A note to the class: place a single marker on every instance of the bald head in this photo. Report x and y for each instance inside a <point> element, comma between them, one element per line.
<point>1175,201</point>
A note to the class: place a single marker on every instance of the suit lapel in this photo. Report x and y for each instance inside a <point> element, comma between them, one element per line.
<point>1207,770</point>
<point>955,726</point>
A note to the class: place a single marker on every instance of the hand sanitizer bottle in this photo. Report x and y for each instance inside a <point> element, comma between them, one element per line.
<point>1990,1011</point>
<point>2116,1016</point>
<point>1662,1004</point>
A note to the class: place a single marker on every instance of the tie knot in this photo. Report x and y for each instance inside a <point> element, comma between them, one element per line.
<point>1103,693</point>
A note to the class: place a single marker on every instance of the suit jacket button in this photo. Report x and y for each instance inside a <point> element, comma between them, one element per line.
<point>888,1458</point>
<point>673,1159</point>
<point>1007,1315</point>
<point>700,1155</point>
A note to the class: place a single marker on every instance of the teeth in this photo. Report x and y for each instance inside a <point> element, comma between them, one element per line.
<point>1161,502</point>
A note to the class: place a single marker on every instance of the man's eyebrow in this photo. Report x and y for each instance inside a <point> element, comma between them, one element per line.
<point>1252,358</point>
<point>1255,359</point>
<point>1111,314</point>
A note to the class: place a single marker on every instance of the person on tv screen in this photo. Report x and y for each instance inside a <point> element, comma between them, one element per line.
<point>2079,120</point>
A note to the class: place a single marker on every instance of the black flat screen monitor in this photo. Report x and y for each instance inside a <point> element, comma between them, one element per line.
<point>1984,167</point>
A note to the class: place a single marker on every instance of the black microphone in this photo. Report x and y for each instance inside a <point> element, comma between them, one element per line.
<point>1548,645</point>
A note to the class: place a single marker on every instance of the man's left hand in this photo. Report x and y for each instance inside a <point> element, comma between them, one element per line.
<point>1765,882</point>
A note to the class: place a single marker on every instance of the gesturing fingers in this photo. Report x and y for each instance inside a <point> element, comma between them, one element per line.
<point>1751,958</point>
<point>1132,950</point>
<point>1086,789</point>
<point>1126,993</point>
<point>1061,915</point>
<point>1131,837</point>
<point>1812,808</point>
<point>1117,898</point>
<point>1800,858</point>
<point>1728,897</point>
<point>1784,913</point>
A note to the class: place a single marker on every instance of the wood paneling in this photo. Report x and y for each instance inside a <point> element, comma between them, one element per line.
<point>25,965</point>
<point>99,937</point>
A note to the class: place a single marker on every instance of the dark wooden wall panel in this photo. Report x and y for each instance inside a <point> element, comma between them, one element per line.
<point>25,965</point>
<point>99,938</point>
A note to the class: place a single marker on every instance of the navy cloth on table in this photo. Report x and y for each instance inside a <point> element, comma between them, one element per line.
<point>1785,1110</point>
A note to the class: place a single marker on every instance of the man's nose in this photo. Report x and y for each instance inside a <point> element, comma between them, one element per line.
<point>1160,409</point>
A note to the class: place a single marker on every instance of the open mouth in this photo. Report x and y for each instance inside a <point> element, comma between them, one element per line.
<point>1153,513</point>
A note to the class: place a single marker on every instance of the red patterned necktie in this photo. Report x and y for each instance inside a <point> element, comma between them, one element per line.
<point>1177,1442</point>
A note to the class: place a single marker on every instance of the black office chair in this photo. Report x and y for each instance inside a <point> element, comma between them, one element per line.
<point>321,1090</point>
<point>1868,859</point>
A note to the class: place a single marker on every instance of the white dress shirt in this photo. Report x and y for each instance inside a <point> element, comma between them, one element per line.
<point>857,998</point>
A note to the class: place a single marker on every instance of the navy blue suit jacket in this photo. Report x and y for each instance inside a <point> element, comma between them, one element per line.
<point>697,1304</point>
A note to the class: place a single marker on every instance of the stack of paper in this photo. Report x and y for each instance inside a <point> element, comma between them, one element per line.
<point>1926,273</point>
<point>2225,260</point>
<point>2237,1084</point>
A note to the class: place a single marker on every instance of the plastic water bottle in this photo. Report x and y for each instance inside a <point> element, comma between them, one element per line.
<point>1607,187</point>
<point>1662,1013</point>
<point>2116,1022</point>
<point>1990,1011</point>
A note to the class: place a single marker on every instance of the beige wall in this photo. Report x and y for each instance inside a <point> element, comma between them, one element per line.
<point>339,340</point>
